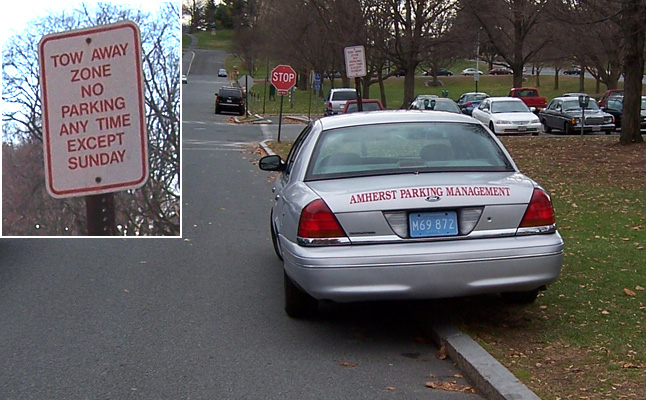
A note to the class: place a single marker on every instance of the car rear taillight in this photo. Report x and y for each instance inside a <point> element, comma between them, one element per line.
<point>318,222</point>
<point>540,212</point>
<point>329,105</point>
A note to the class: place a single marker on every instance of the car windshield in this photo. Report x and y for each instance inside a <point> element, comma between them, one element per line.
<point>345,95</point>
<point>573,105</point>
<point>508,107</point>
<point>399,148</point>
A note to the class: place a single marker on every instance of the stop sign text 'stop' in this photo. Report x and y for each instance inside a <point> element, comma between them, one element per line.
<point>283,77</point>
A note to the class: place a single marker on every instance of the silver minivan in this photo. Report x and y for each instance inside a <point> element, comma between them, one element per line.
<point>336,99</point>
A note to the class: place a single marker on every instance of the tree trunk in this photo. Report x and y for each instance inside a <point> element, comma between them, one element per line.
<point>556,78</point>
<point>634,38</point>
<point>409,87</point>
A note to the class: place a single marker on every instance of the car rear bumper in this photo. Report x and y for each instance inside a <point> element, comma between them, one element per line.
<point>424,270</point>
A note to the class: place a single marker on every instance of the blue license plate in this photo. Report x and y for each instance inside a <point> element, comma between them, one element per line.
<point>430,224</point>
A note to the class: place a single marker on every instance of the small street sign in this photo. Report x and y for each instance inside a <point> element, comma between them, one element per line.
<point>94,131</point>
<point>355,61</point>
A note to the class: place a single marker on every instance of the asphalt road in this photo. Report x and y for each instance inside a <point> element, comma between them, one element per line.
<point>197,317</point>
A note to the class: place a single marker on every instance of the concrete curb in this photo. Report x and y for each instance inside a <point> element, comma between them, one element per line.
<point>266,148</point>
<point>490,378</point>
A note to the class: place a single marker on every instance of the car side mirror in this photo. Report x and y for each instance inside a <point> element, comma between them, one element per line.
<point>271,163</point>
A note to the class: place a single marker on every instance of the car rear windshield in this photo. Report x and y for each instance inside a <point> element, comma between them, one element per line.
<point>230,93</point>
<point>400,148</point>
<point>344,95</point>
<point>368,106</point>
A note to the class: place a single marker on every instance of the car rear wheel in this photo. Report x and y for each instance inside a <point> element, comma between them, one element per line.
<point>524,297</point>
<point>298,304</point>
<point>217,110</point>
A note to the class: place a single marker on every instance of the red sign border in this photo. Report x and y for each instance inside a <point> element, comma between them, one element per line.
<point>98,189</point>
<point>279,66</point>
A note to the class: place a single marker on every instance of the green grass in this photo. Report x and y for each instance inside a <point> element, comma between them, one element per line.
<point>221,40</point>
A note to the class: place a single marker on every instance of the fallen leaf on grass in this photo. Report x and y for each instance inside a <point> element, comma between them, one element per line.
<point>640,288</point>
<point>629,292</point>
<point>452,386</point>
<point>390,388</point>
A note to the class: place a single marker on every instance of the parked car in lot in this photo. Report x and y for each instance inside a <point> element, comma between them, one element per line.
<point>565,113</point>
<point>608,94</point>
<point>366,105</point>
<point>501,71</point>
<point>434,103</point>
<point>440,72</point>
<point>529,96</point>
<point>336,98</point>
<point>615,107</point>
<point>400,205</point>
<point>229,99</point>
<point>470,100</point>
<point>222,72</point>
<point>471,71</point>
<point>572,71</point>
<point>507,115</point>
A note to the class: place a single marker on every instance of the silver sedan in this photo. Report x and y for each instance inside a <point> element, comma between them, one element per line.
<point>407,205</point>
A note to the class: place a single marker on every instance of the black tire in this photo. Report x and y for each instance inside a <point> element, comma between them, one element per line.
<point>217,110</point>
<point>491,128</point>
<point>546,127</point>
<point>568,129</point>
<point>524,297</point>
<point>298,304</point>
<point>274,239</point>
<point>242,111</point>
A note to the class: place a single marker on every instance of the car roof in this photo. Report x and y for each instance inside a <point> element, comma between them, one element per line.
<point>504,98</point>
<point>391,116</point>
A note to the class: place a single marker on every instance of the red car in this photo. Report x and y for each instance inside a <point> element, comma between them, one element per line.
<point>500,71</point>
<point>610,93</point>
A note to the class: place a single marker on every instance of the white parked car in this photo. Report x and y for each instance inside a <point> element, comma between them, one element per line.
<point>507,115</point>
<point>397,205</point>
<point>471,71</point>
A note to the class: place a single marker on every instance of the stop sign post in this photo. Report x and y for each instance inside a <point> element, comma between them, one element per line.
<point>283,77</point>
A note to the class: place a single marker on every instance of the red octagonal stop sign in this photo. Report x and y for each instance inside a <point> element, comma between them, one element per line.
<point>283,77</point>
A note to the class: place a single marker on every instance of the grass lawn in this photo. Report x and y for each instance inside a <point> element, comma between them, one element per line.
<point>584,338</point>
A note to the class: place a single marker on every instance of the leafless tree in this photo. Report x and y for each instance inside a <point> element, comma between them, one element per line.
<point>153,209</point>
<point>513,27</point>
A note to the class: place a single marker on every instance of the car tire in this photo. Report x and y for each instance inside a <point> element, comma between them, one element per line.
<point>523,297</point>
<point>568,129</point>
<point>491,128</point>
<point>546,128</point>
<point>217,110</point>
<point>274,238</point>
<point>242,111</point>
<point>298,304</point>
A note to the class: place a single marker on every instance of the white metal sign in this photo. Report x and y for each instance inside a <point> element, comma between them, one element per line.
<point>94,131</point>
<point>355,61</point>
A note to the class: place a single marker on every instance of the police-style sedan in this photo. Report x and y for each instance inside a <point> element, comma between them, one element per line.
<point>407,205</point>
